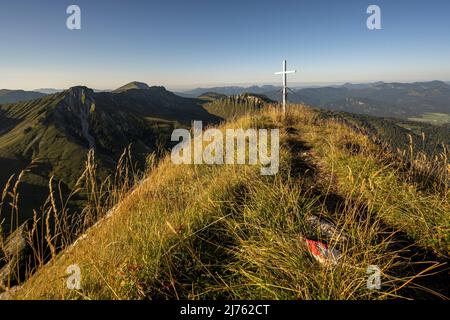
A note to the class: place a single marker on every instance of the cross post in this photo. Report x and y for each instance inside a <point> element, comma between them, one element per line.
<point>285,88</point>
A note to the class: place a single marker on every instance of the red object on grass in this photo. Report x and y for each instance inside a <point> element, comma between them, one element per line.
<point>321,252</point>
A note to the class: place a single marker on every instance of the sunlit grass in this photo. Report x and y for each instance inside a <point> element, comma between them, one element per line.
<point>203,231</point>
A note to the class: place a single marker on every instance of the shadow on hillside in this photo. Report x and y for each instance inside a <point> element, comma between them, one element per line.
<point>7,123</point>
<point>196,264</point>
<point>300,165</point>
<point>411,259</point>
<point>416,260</point>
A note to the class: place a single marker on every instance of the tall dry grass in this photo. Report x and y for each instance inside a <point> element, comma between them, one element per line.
<point>61,220</point>
<point>409,189</point>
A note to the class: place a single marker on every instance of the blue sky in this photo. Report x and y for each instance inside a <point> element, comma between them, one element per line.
<point>187,43</point>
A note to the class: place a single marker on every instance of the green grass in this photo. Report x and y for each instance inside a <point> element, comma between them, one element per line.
<point>433,118</point>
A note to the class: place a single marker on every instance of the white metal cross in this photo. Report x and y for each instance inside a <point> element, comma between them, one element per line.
<point>284,73</point>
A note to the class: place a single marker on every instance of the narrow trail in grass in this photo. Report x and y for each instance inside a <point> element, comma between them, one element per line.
<point>429,274</point>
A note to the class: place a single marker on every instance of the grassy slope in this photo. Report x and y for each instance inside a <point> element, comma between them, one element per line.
<point>433,118</point>
<point>234,106</point>
<point>228,232</point>
<point>423,212</point>
<point>27,142</point>
<point>426,137</point>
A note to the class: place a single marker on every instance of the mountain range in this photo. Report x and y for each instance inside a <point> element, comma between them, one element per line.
<point>401,100</point>
<point>48,90</point>
<point>48,139</point>
<point>52,134</point>
<point>11,96</point>
<point>229,90</point>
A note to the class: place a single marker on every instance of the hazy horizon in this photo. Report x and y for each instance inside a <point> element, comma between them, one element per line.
<point>212,85</point>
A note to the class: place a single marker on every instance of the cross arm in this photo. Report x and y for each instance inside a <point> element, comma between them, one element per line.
<point>285,72</point>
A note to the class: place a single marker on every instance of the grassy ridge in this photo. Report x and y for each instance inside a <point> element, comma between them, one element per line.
<point>233,107</point>
<point>411,200</point>
<point>227,232</point>
<point>433,118</point>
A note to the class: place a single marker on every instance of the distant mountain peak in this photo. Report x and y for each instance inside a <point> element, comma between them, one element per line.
<point>133,86</point>
<point>80,91</point>
<point>211,96</point>
<point>48,90</point>
<point>78,88</point>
